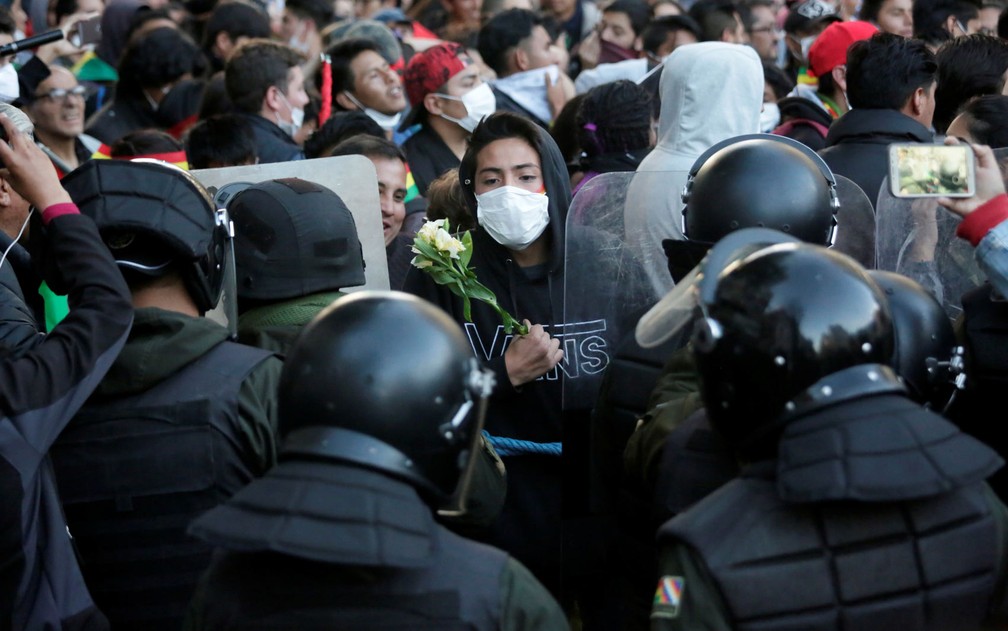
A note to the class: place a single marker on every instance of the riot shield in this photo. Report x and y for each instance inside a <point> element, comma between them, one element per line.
<point>855,234</point>
<point>916,238</point>
<point>606,287</point>
<point>353,178</point>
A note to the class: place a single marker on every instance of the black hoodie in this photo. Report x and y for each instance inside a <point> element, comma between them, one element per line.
<point>529,527</point>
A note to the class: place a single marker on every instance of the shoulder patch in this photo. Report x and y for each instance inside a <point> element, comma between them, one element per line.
<point>667,597</point>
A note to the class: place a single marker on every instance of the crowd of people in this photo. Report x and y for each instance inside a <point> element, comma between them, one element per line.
<point>716,373</point>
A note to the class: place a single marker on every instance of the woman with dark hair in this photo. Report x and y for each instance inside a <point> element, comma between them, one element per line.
<point>615,129</point>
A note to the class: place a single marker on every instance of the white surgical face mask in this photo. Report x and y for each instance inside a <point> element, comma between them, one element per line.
<point>479,102</point>
<point>9,90</point>
<point>514,217</point>
<point>385,121</point>
<point>297,119</point>
<point>769,117</point>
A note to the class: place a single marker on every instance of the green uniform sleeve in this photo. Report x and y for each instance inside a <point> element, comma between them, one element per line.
<point>257,407</point>
<point>676,396</point>
<point>685,595</point>
<point>525,603</point>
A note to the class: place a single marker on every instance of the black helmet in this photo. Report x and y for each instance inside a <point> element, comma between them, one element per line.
<point>386,381</point>
<point>293,238</point>
<point>154,217</point>
<point>777,321</point>
<point>926,354</point>
<point>760,180</point>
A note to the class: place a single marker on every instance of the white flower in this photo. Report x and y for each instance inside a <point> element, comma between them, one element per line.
<point>448,244</point>
<point>429,230</point>
<point>420,262</point>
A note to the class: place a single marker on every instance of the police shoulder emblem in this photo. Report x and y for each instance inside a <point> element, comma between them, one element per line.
<point>667,597</point>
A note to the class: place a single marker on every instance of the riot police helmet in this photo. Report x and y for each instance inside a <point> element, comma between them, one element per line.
<point>760,180</point>
<point>155,217</point>
<point>293,238</point>
<point>778,321</point>
<point>926,355</point>
<point>388,382</point>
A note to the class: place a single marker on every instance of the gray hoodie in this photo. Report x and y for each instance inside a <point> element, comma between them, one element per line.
<point>710,92</point>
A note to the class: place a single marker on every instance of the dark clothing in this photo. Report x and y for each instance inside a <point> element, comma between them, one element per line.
<point>804,121</point>
<point>182,421</point>
<point>19,330</point>
<point>319,545</point>
<point>272,143</point>
<point>119,117</point>
<point>428,157</point>
<point>873,516</point>
<point>41,586</point>
<point>857,145</point>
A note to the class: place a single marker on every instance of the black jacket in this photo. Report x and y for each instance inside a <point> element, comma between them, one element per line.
<point>857,145</point>
<point>19,330</point>
<point>272,143</point>
<point>40,583</point>
<point>428,157</point>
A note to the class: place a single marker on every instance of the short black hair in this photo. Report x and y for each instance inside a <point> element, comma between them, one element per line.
<point>318,11</point>
<point>498,126</point>
<point>714,16</point>
<point>638,12</point>
<point>967,67</point>
<point>780,81</point>
<point>223,140</point>
<point>238,19</point>
<point>870,10</point>
<point>658,30</point>
<point>929,18</point>
<point>614,117</point>
<point>7,24</point>
<point>255,67</point>
<point>143,142</point>
<point>883,72</point>
<point>160,57</point>
<point>502,34</point>
<point>369,146</point>
<point>987,120</point>
<point>339,127</point>
<point>342,55</point>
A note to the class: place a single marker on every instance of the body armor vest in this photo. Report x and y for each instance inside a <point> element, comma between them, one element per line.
<point>134,471</point>
<point>924,564</point>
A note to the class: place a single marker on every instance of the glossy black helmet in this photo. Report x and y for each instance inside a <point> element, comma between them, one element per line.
<point>293,238</point>
<point>155,217</point>
<point>386,381</point>
<point>760,180</point>
<point>926,355</point>
<point>777,321</point>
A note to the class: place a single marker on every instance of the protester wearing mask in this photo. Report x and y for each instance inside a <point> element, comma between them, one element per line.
<point>516,46</point>
<point>8,73</point>
<point>617,37</point>
<point>362,79</point>
<point>302,23</point>
<point>448,109</point>
<point>266,85</point>
<point>803,24</point>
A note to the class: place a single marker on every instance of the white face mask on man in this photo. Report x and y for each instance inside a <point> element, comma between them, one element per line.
<point>387,122</point>
<point>9,88</point>
<point>479,103</point>
<point>297,118</point>
<point>514,217</point>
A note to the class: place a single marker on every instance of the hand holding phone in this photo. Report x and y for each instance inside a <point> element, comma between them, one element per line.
<point>85,32</point>
<point>925,170</point>
<point>989,180</point>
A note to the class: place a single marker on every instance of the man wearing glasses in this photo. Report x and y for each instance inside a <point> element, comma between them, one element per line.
<point>54,101</point>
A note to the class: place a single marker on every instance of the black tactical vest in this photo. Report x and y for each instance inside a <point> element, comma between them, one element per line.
<point>925,564</point>
<point>405,572</point>
<point>134,471</point>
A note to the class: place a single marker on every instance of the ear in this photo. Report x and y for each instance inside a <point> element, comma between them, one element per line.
<point>840,77</point>
<point>272,99</point>
<point>950,24</point>
<point>638,44</point>
<point>917,101</point>
<point>5,196</point>
<point>521,60</point>
<point>345,103</point>
<point>223,44</point>
<point>432,104</point>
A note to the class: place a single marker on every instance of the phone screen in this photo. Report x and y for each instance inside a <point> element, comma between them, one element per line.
<point>921,170</point>
<point>86,32</point>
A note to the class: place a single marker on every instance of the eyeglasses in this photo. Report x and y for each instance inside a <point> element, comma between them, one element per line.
<point>59,94</point>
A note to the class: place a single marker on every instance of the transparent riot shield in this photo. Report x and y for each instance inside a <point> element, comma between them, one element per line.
<point>606,286</point>
<point>916,238</point>
<point>855,234</point>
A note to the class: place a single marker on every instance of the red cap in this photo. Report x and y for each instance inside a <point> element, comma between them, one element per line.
<point>429,70</point>
<point>829,50</point>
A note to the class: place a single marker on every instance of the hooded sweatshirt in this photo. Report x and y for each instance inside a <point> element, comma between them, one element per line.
<point>710,92</point>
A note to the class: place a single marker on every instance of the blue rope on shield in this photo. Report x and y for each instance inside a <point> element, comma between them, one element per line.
<point>515,447</point>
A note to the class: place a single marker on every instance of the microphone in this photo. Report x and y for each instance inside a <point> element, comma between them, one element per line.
<point>31,42</point>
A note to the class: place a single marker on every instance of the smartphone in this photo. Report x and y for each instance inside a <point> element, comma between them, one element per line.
<point>86,32</point>
<point>922,170</point>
